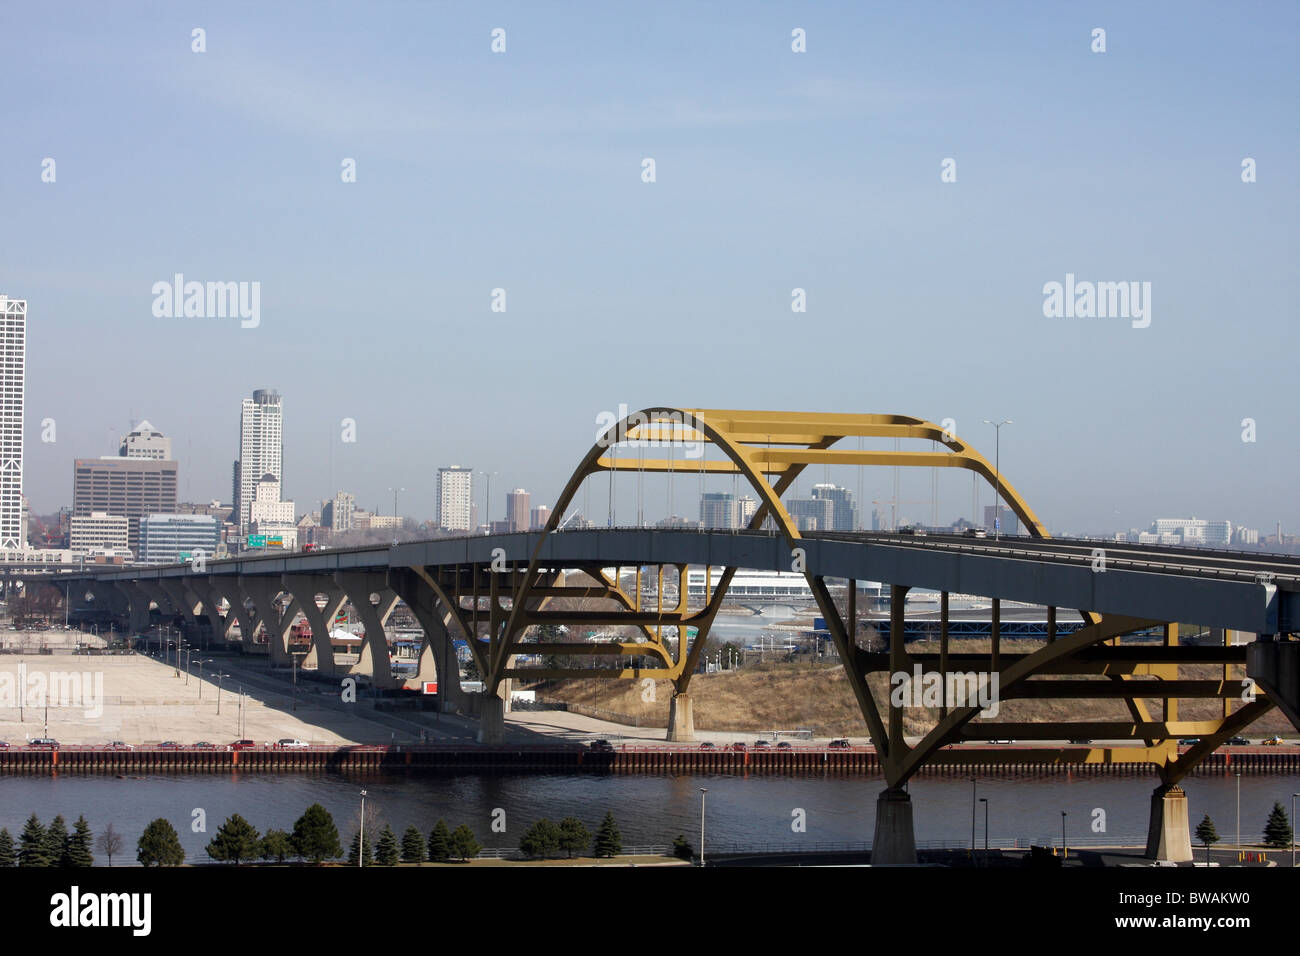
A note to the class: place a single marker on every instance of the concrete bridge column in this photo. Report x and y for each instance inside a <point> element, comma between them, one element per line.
<point>1168,836</point>
<point>438,655</point>
<point>304,588</point>
<point>681,719</point>
<point>374,652</point>
<point>895,839</point>
<point>236,612</point>
<point>1275,666</point>
<point>492,719</point>
<point>138,605</point>
<point>265,594</point>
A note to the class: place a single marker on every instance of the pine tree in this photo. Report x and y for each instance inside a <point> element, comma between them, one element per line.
<point>541,840</point>
<point>1206,833</point>
<point>8,855</point>
<point>79,845</point>
<point>159,845</point>
<point>412,845</point>
<point>573,836</point>
<point>1277,831</point>
<point>276,845</point>
<point>682,848</point>
<point>32,847</point>
<point>56,841</point>
<point>463,843</point>
<point>357,848</point>
<point>439,843</point>
<point>386,853</point>
<point>236,840</point>
<point>609,842</point>
<point>315,837</point>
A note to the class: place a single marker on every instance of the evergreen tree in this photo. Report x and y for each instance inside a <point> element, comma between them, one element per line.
<point>236,840</point>
<point>159,845</point>
<point>412,845</point>
<point>463,844</point>
<point>109,843</point>
<point>315,837</point>
<point>79,845</point>
<point>56,841</point>
<point>541,840</point>
<point>276,845</point>
<point>33,850</point>
<point>682,848</point>
<point>8,855</point>
<point>1277,831</point>
<point>357,848</point>
<point>1206,833</point>
<point>386,853</point>
<point>440,843</point>
<point>609,842</point>
<point>573,836</point>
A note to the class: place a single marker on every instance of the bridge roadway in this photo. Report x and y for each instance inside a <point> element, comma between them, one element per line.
<point>1250,592</point>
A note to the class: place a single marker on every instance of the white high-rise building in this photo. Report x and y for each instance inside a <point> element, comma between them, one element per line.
<point>261,450</point>
<point>455,485</point>
<point>145,441</point>
<point>13,364</point>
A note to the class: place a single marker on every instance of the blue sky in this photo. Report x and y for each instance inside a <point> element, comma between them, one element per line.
<point>775,170</point>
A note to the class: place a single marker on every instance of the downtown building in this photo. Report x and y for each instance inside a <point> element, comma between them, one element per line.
<point>719,509</point>
<point>455,487</point>
<point>517,510</point>
<point>128,488</point>
<point>261,451</point>
<point>13,366</point>
<point>176,538</point>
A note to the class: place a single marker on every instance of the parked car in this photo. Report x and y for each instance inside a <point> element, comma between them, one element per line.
<point>602,746</point>
<point>784,745</point>
<point>4,745</point>
<point>42,743</point>
<point>204,745</point>
<point>1238,742</point>
<point>762,745</point>
<point>119,745</point>
<point>169,745</point>
<point>739,745</point>
<point>708,745</point>
<point>290,743</point>
<point>243,745</point>
<point>839,744</point>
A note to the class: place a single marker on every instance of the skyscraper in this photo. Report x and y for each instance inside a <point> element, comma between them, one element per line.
<point>145,441</point>
<point>454,498</point>
<point>718,510</point>
<point>517,509</point>
<point>845,517</point>
<point>261,450</point>
<point>13,363</point>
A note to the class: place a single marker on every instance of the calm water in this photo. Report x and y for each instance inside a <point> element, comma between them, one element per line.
<point>649,809</point>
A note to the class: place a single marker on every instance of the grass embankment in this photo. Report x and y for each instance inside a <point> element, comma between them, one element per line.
<point>785,696</point>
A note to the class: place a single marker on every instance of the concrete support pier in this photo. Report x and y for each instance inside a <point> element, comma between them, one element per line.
<point>1168,836</point>
<point>681,719</point>
<point>895,840</point>
<point>492,720</point>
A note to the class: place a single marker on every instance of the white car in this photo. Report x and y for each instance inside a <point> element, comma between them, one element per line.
<point>288,743</point>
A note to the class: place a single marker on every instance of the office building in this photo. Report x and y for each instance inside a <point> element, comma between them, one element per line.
<point>99,532</point>
<point>13,365</point>
<point>271,517</point>
<point>261,450</point>
<point>718,510</point>
<point>176,538</point>
<point>455,496</point>
<point>338,514</point>
<point>127,487</point>
<point>812,514</point>
<point>539,516</point>
<point>1009,523</point>
<point>1194,531</point>
<point>517,509</point>
<point>145,441</point>
<point>746,508</point>
<point>845,516</point>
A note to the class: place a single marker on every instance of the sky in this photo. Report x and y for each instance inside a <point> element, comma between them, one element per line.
<point>775,170</point>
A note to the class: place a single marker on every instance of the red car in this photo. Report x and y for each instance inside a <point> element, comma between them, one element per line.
<point>243,745</point>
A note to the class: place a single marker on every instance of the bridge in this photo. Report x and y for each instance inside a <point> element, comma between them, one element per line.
<point>500,593</point>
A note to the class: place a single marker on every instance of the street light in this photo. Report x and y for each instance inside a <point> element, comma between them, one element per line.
<point>972,816</point>
<point>487,498</point>
<point>985,801</point>
<point>703,791</point>
<point>997,475</point>
<point>361,833</point>
<point>1065,853</point>
<point>1239,810</point>
<point>395,491</point>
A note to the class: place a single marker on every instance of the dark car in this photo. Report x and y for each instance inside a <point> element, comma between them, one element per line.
<point>1189,741</point>
<point>1238,742</point>
<point>784,745</point>
<point>708,745</point>
<point>169,745</point>
<point>4,745</point>
<point>204,745</point>
<point>42,743</point>
<point>602,746</point>
<point>840,744</point>
<point>762,745</point>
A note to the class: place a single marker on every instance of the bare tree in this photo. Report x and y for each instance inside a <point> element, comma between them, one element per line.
<point>109,843</point>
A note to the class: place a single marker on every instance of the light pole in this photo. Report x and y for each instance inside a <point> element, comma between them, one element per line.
<point>1238,809</point>
<point>361,833</point>
<point>703,791</point>
<point>220,676</point>
<point>1065,853</point>
<point>985,801</point>
<point>395,491</point>
<point>1293,796</point>
<point>487,499</point>
<point>997,475</point>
